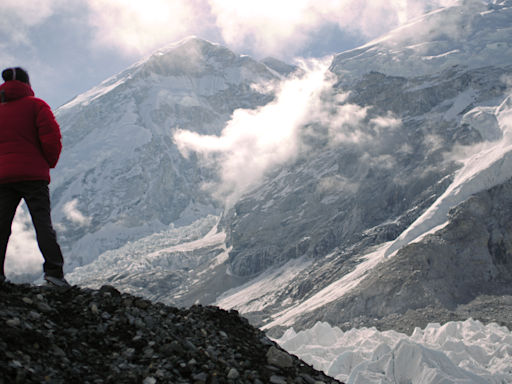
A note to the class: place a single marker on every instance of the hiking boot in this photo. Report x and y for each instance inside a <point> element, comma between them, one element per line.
<point>58,281</point>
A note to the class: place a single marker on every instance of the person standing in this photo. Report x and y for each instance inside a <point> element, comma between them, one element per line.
<point>30,144</point>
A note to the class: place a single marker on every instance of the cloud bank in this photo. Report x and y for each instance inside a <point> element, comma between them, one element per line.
<point>260,27</point>
<point>282,28</point>
<point>69,47</point>
<point>74,215</point>
<point>257,140</point>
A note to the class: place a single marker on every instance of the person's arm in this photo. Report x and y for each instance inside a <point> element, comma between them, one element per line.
<point>48,131</point>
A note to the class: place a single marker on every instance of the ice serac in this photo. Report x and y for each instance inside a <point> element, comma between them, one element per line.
<point>120,168</point>
<point>457,352</point>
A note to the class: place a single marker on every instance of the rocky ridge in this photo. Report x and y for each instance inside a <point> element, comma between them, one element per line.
<point>460,271</point>
<point>71,335</point>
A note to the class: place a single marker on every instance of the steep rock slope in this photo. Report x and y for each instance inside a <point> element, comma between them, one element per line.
<point>469,258</point>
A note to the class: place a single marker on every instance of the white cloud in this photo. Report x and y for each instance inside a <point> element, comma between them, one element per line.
<point>305,112</point>
<point>23,255</point>
<point>74,215</point>
<point>255,141</point>
<point>262,27</point>
<point>306,115</point>
<point>336,183</point>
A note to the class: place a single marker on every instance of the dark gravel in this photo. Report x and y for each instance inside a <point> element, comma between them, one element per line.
<point>71,335</point>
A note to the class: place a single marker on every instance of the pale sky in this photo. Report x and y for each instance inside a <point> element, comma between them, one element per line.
<point>69,46</point>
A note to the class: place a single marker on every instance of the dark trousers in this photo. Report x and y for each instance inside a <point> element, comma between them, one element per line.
<point>37,197</point>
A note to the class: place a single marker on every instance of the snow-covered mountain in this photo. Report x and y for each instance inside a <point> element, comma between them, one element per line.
<point>121,176</point>
<point>395,201</point>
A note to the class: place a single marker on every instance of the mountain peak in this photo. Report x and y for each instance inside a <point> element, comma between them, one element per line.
<point>191,56</point>
<point>279,66</point>
<point>190,41</point>
<point>470,34</point>
<point>122,132</point>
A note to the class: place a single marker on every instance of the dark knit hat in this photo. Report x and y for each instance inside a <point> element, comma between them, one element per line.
<point>15,74</point>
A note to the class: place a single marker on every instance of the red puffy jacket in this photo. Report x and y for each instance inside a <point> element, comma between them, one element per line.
<point>30,139</point>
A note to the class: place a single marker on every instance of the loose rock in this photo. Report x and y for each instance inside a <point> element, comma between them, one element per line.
<point>233,374</point>
<point>279,358</point>
<point>125,339</point>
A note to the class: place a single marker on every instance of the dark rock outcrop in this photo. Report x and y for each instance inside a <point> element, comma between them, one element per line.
<point>71,335</point>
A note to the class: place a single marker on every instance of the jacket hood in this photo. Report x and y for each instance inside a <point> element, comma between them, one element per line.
<point>14,90</point>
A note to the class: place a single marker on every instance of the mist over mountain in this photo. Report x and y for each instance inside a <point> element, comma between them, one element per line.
<point>120,168</point>
<point>350,192</point>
